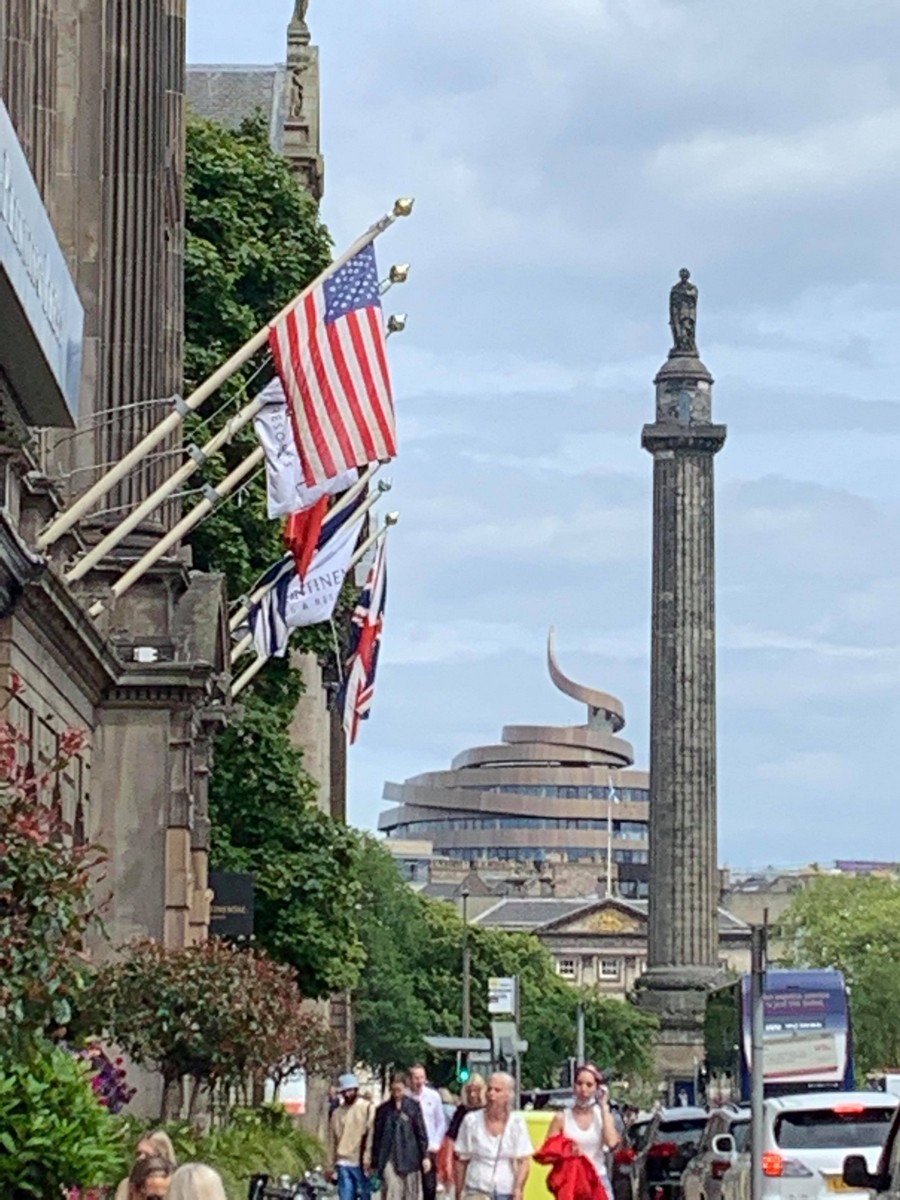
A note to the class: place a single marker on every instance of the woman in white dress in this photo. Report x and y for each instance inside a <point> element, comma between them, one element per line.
<point>493,1149</point>
<point>589,1123</point>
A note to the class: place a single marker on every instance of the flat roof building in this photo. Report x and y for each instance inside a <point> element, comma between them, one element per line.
<point>545,794</point>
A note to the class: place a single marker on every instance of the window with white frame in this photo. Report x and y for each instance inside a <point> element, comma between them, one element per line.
<point>610,968</point>
<point>567,968</point>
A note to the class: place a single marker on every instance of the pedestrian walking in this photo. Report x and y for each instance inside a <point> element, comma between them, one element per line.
<point>473,1097</point>
<point>150,1178</point>
<point>435,1122</point>
<point>159,1144</point>
<point>493,1149</point>
<point>196,1181</point>
<point>400,1144</point>
<point>350,1141</point>
<point>589,1123</point>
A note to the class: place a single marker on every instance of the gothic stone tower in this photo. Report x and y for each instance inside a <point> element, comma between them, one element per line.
<point>683,947</point>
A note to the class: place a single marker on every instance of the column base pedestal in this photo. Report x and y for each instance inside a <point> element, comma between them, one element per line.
<point>677,996</point>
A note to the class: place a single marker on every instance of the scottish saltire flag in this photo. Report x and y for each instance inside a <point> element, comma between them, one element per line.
<point>368,621</point>
<point>330,353</point>
<point>286,489</point>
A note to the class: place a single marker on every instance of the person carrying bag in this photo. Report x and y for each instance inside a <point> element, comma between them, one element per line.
<point>493,1149</point>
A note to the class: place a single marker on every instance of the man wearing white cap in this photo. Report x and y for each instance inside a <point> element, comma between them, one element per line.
<point>350,1141</point>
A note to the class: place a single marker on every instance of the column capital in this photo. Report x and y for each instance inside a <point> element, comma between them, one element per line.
<point>665,438</point>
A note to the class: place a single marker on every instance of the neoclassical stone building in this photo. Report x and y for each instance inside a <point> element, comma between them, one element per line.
<point>92,208</point>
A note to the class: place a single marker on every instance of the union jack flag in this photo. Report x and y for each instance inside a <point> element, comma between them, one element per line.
<point>368,621</point>
<point>330,352</point>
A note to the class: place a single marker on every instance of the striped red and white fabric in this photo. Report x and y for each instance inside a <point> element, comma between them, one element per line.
<point>330,352</point>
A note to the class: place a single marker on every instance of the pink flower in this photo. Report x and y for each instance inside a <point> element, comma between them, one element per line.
<point>71,742</point>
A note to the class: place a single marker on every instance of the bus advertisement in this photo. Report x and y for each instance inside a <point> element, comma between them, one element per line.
<point>808,1040</point>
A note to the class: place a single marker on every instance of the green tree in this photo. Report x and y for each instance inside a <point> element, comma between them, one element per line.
<point>254,239</point>
<point>412,987</point>
<point>853,923</point>
<point>265,821</point>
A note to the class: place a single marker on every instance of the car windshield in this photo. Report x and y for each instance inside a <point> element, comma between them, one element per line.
<point>825,1129</point>
<point>681,1132</point>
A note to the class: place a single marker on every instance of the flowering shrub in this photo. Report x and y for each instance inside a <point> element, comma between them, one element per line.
<point>214,1012</point>
<point>45,891</point>
<point>108,1078</point>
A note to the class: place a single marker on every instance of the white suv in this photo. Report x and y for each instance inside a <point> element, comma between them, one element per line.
<point>805,1141</point>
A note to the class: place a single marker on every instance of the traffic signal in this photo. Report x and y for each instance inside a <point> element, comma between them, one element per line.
<point>463,1074</point>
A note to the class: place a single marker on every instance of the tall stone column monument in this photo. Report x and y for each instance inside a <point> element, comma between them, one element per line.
<point>683,943</point>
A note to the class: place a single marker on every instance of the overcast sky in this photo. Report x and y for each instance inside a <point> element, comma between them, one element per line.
<point>567,158</point>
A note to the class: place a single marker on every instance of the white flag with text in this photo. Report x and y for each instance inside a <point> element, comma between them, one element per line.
<point>313,598</point>
<point>286,490</point>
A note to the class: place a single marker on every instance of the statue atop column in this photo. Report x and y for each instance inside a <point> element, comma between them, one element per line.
<point>683,314</point>
<point>301,8</point>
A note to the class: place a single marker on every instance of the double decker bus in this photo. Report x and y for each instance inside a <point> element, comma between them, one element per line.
<point>808,1036</point>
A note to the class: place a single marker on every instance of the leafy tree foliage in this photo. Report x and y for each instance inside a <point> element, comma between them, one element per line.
<point>254,239</point>
<point>265,821</point>
<point>217,1013</point>
<point>853,923</point>
<point>53,1132</point>
<point>45,894</point>
<point>412,986</point>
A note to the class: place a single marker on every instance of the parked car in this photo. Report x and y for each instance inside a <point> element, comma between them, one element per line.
<point>702,1178</point>
<point>624,1157</point>
<point>671,1141</point>
<point>805,1142</point>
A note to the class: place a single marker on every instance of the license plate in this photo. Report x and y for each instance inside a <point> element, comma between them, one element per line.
<point>836,1184</point>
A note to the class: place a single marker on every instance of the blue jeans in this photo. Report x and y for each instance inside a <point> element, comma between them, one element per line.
<point>352,1184</point>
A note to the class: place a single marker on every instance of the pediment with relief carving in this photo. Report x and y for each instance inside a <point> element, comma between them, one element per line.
<point>607,919</point>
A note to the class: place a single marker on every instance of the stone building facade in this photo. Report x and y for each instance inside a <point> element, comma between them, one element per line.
<point>95,94</point>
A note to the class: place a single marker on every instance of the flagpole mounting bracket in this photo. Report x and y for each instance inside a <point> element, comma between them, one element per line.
<point>181,406</point>
<point>197,454</point>
<point>210,493</point>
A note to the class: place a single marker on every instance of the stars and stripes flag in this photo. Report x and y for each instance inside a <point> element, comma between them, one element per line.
<point>330,353</point>
<point>368,621</point>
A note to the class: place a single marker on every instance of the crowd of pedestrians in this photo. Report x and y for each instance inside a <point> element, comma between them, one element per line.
<point>406,1147</point>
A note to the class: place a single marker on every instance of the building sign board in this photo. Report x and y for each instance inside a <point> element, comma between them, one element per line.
<point>40,310</point>
<point>231,915</point>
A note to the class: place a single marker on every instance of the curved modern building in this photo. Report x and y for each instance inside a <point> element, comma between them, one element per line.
<point>545,793</point>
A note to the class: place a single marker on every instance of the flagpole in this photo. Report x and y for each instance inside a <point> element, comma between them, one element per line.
<point>247,640</point>
<point>260,661</point>
<point>177,532</point>
<point>70,516</point>
<point>239,616</point>
<point>197,459</point>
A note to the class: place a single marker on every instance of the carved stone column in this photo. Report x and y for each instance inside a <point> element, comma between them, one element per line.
<point>683,936</point>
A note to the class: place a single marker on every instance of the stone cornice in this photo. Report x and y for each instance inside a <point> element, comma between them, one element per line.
<point>662,437</point>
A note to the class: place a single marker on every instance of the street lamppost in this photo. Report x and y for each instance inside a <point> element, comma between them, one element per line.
<point>466,965</point>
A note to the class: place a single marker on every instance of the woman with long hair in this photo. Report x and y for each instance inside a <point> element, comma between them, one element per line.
<point>157,1144</point>
<point>473,1097</point>
<point>196,1181</point>
<point>493,1149</point>
<point>589,1123</point>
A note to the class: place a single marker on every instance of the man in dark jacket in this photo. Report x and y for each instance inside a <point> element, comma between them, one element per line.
<point>400,1144</point>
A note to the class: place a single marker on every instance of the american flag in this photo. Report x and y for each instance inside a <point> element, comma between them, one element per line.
<point>368,621</point>
<point>330,352</point>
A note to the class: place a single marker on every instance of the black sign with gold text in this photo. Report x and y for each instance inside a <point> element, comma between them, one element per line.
<point>232,904</point>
